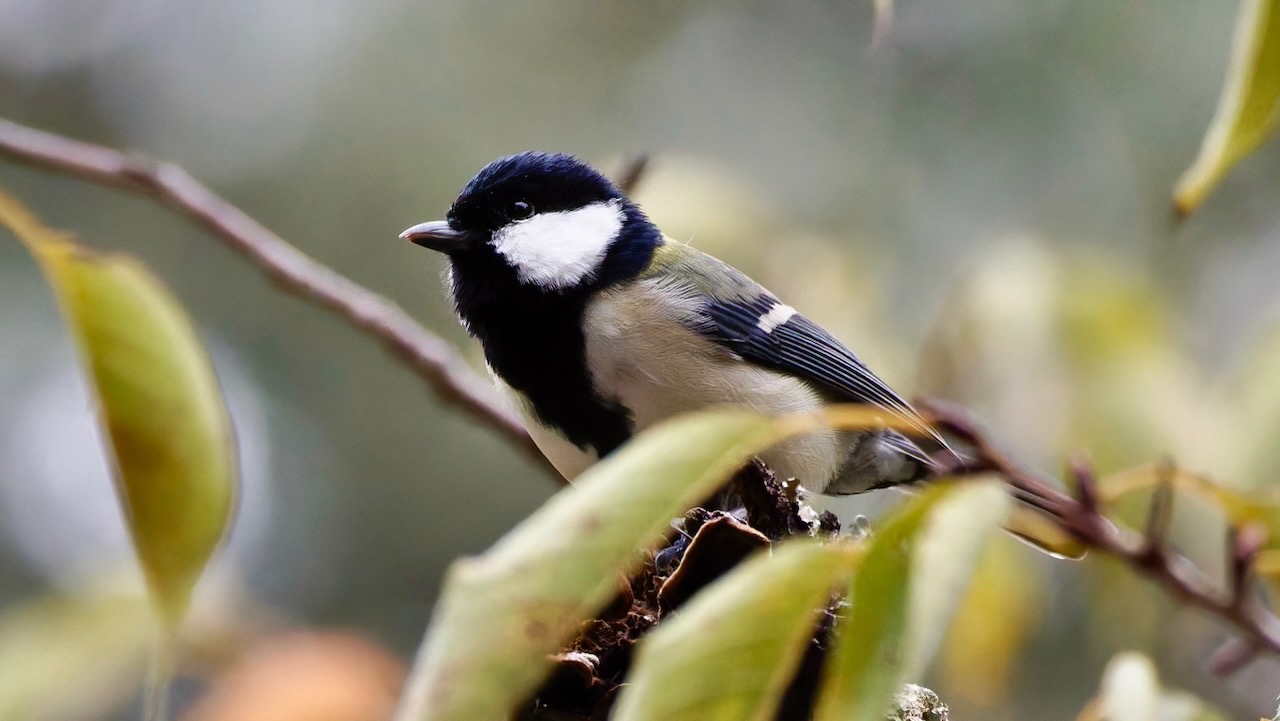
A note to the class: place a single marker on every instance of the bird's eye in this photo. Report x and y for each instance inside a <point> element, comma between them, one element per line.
<point>519,210</point>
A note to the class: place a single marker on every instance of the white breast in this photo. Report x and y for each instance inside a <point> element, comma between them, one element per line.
<point>567,458</point>
<point>640,353</point>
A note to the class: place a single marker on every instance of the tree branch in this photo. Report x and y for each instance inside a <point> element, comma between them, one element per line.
<point>1148,553</point>
<point>428,355</point>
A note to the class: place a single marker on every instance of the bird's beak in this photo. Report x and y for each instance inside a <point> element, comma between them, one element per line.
<point>437,235</point>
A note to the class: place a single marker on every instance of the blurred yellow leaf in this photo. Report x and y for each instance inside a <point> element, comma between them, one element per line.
<point>1135,393</point>
<point>1036,530</point>
<point>158,403</point>
<point>1252,388</point>
<point>946,554</point>
<point>999,614</point>
<point>752,627</point>
<point>1240,508</point>
<point>70,657</point>
<point>1248,108</point>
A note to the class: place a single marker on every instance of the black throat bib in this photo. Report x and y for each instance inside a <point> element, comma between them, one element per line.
<point>533,340</point>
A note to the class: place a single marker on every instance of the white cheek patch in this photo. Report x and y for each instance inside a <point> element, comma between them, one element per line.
<point>558,250</point>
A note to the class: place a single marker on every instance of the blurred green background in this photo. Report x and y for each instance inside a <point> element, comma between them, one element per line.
<point>979,205</point>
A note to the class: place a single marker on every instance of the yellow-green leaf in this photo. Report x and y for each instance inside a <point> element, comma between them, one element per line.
<point>1036,530</point>
<point>864,666</point>
<point>66,656</point>
<point>501,614</point>
<point>1239,507</point>
<point>751,627</point>
<point>158,403</point>
<point>1252,390</point>
<point>1248,108</point>
<point>946,555</point>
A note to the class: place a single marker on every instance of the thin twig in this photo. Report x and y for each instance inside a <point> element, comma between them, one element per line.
<point>428,355</point>
<point>1151,556</point>
<point>1160,509</point>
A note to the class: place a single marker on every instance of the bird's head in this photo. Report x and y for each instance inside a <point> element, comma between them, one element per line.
<point>553,221</point>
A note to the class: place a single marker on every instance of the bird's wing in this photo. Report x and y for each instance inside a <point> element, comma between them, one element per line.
<point>748,320</point>
<point>766,332</point>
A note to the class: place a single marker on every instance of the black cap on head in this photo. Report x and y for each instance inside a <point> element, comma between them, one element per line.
<point>514,187</point>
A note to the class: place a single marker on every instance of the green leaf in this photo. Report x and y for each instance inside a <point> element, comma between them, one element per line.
<point>71,656</point>
<point>1248,109</point>
<point>752,627</point>
<point>158,403</point>
<point>874,641</point>
<point>946,555</point>
<point>501,614</point>
<point>1036,530</point>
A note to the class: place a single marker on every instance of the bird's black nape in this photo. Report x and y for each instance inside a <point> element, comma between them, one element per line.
<point>548,182</point>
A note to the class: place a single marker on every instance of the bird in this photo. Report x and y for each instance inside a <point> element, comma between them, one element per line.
<point>597,326</point>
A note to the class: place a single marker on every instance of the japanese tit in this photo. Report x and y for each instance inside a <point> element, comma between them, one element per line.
<point>597,326</point>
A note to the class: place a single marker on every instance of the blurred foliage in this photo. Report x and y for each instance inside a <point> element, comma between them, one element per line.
<point>978,206</point>
<point>1003,608</point>
<point>1131,691</point>
<point>305,676</point>
<point>69,656</point>
<point>170,441</point>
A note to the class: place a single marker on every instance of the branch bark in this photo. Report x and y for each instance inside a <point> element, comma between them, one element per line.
<point>1147,553</point>
<point>426,354</point>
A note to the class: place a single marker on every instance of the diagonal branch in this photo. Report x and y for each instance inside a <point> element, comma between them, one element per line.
<point>1147,553</point>
<point>428,355</point>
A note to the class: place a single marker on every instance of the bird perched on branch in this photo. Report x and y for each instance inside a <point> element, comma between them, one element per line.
<point>597,326</point>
